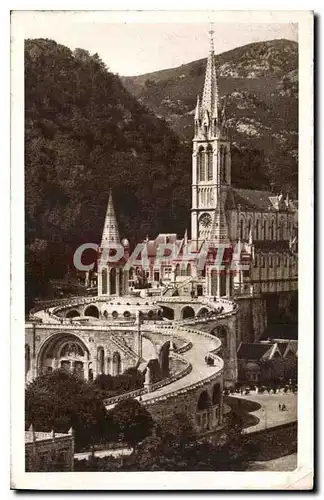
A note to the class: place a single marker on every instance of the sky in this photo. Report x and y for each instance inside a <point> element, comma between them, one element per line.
<point>133,48</point>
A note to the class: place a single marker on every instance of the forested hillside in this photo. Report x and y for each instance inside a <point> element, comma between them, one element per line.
<point>259,83</point>
<point>85,133</point>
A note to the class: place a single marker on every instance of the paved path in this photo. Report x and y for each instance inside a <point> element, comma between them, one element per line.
<point>116,452</point>
<point>201,345</point>
<point>269,414</point>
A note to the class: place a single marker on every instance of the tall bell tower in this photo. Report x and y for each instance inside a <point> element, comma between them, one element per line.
<point>211,158</point>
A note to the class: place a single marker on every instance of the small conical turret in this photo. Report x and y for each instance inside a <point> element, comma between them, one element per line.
<point>197,111</point>
<point>110,233</point>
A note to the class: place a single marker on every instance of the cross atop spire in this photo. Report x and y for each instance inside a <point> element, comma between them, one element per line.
<point>211,35</point>
<point>110,234</point>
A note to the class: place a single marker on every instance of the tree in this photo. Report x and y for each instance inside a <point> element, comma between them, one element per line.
<point>59,400</point>
<point>132,420</point>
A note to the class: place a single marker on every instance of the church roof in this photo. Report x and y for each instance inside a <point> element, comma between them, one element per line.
<point>255,199</point>
<point>249,351</point>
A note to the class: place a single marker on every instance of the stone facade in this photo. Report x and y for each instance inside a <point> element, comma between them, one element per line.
<point>49,451</point>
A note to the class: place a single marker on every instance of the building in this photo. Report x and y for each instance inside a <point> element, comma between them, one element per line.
<point>49,451</point>
<point>251,233</point>
<point>267,361</point>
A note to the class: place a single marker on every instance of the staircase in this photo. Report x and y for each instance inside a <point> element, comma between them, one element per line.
<point>124,347</point>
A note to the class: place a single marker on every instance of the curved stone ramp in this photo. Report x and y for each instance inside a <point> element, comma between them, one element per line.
<point>200,374</point>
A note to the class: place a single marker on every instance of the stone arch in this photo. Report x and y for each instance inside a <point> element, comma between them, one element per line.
<point>204,401</point>
<point>104,282</point>
<point>164,359</point>
<point>92,311</point>
<point>114,314</point>
<point>177,270</point>
<point>61,347</point>
<point>188,269</point>
<point>127,314</point>
<point>167,312</point>
<point>217,394</point>
<point>73,313</point>
<point>150,314</point>
<point>222,333</point>
<point>187,312</point>
<point>101,360</point>
<point>112,281</point>
<point>203,311</point>
<point>116,363</point>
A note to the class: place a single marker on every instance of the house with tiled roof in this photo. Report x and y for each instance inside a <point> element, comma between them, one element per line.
<point>267,361</point>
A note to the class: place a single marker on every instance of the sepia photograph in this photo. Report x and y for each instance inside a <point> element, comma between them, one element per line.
<point>161,200</point>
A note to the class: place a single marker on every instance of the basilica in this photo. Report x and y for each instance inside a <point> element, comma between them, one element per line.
<point>253,232</point>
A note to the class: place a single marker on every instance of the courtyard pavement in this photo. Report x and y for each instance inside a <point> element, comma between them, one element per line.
<point>265,413</point>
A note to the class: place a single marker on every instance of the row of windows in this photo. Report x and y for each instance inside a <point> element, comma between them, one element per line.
<point>205,163</point>
<point>265,230</point>
<point>274,260</point>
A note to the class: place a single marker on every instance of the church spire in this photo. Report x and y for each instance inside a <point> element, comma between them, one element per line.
<point>110,232</point>
<point>211,95</point>
<point>219,229</point>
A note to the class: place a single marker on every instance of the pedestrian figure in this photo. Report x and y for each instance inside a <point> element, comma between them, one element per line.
<point>279,407</point>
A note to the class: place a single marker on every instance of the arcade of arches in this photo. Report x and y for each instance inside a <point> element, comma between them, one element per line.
<point>209,408</point>
<point>69,352</point>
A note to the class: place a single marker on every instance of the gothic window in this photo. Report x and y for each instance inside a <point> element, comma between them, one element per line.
<point>101,360</point>
<point>257,229</point>
<point>116,363</point>
<point>265,230</point>
<point>210,163</point>
<point>224,165</point>
<point>272,230</point>
<point>104,281</point>
<point>241,229</point>
<point>281,230</point>
<point>201,163</point>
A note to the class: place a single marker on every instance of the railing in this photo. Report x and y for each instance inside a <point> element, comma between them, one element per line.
<point>125,395</point>
<point>123,346</point>
<point>154,387</point>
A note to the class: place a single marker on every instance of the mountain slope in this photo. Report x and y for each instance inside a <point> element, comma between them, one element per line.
<point>84,134</point>
<point>260,84</point>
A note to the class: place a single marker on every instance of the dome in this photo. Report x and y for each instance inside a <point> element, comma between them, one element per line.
<point>125,242</point>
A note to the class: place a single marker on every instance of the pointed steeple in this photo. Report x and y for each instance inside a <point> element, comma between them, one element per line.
<point>211,95</point>
<point>219,229</point>
<point>110,232</point>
